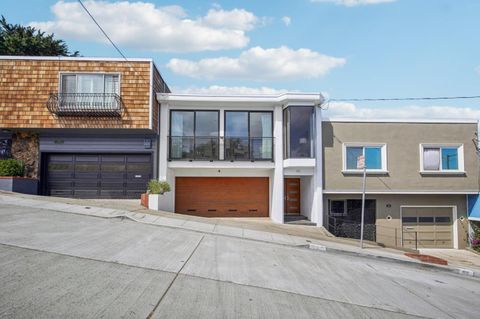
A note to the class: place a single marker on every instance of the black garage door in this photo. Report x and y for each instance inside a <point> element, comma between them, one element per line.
<point>97,175</point>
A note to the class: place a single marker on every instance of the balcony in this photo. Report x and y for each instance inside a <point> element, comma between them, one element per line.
<point>205,148</point>
<point>85,104</point>
<point>248,148</point>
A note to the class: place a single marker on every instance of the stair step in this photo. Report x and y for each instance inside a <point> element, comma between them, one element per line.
<point>297,220</point>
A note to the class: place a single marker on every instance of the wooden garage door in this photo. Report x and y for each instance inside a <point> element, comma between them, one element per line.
<point>222,196</point>
<point>427,227</point>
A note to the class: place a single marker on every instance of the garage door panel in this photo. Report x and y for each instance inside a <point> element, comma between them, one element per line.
<point>98,175</point>
<point>431,225</point>
<point>222,196</point>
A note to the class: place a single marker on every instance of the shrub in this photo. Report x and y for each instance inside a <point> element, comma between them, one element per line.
<point>158,187</point>
<point>11,167</point>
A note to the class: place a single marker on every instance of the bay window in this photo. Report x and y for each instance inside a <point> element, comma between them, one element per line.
<point>298,132</point>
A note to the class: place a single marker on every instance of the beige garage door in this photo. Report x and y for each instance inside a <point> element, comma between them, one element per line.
<point>427,227</point>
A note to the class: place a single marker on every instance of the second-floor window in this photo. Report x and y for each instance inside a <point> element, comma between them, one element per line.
<point>375,157</point>
<point>194,135</point>
<point>88,91</point>
<point>248,135</point>
<point>299,132</point>
<point>441,158</point>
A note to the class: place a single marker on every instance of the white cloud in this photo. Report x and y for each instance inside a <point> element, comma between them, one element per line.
<point>229,90</point>
<point>350,110</point>
<point>286,20</point>
<point>142,25</point>
<point>260,64</point>
<point>353,3</point>
<point>236,19</point>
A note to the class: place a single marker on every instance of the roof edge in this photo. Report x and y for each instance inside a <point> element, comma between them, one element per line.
<point>391,120</point>
<point>69,58</point>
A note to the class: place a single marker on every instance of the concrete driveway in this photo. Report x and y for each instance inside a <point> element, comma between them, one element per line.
<point>58,265</point>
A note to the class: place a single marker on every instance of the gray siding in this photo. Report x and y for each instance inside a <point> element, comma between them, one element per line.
<point>95,144</point>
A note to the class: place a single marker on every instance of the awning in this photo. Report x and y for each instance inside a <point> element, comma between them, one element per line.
<point>473,207</point>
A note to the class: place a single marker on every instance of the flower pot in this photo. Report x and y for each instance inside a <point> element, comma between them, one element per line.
<point>144,200</point>
<point>155,201</point>
<point>17,184</point>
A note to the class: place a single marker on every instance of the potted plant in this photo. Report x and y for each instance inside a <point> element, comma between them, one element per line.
<point>156,190</point>
<point>12,180</point>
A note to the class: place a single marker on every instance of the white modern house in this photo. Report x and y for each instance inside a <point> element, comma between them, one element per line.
<point>242,156</point>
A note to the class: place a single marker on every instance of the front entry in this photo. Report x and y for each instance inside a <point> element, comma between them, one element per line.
<point>292,196</point>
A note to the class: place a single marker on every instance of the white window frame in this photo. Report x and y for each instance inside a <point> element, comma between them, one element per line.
<point>461,164</point>
<point>103,74</point>
<point>383,147</point>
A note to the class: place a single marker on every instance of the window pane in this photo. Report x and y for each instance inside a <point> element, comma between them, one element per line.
<point>68,83</point>
<point>373,157</point>
<point>181,135</point>
<point>352,154</point>
<point>206,124</point>
<point>431,159</point>
<point>111,84</point>
<point>90,83</point>
<point>337,207</point>
<point>301,131</point>
<point>206,135</point>
<point>449,158</point>
<point>261,135</point>
<point>182,123</point>
<point>236,136</point>
<point>236,124</point>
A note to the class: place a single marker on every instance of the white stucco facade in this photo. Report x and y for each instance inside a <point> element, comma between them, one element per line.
<point>276,169</point>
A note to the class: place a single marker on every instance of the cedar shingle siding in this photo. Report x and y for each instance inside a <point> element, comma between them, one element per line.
<point>25,86</point>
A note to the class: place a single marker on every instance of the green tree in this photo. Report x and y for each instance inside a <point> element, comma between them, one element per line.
<point>16,39</point>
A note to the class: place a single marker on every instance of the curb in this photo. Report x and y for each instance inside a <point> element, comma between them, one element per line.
<point>456,270</point>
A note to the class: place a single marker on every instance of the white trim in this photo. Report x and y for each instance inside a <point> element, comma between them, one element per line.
<point>441,171</point>
<point>383,149</point>
<point>477,219</point>
<point>290,98</point>
<point>393,192</point>
<point>65,58</point>
<point>444,121</point>
<point>150,116</point>
<point>243,165</point>
<point>61,73</point>
<point>454,218</point>
<point>299,162</point>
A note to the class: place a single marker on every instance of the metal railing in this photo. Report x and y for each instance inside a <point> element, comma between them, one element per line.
<point>248,148</point>
<point>383,235</point>
<point>341,227</point>
<point>193,148</point>
<point>85,104</point>
<point>208,148</point>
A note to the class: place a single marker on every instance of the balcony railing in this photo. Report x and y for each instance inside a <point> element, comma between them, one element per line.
<point>248,148</point>
<point>194,148</point>
<point>207,148</point>
<point>85,104</point>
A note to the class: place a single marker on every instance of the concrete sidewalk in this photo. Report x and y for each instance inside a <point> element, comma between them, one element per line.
<point>251,229</point>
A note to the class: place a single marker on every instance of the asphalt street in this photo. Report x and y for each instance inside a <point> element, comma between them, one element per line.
<point>59,265</point>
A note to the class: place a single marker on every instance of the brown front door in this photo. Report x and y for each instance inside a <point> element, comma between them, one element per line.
<point>292,196</point>
<point>222,196</point>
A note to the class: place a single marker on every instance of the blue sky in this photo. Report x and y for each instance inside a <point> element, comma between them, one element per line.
<point>345,48</point>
